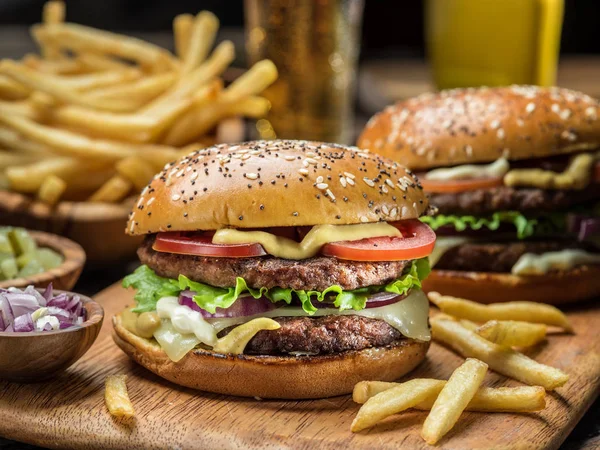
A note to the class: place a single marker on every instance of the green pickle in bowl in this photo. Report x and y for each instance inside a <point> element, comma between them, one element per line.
<point>21,257</point>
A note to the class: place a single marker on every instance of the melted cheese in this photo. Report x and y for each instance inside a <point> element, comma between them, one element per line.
<point>443,244</point>
<point>532,264</point>
<point>408,316</point>
<point>182,328</point>
<point>577,175</point>
<point>318,236</point>
<point>467,172</point>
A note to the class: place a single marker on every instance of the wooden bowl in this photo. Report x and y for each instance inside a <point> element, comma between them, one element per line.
<point>62,277</point>
<point>36,356</point>
<point>98,227</point>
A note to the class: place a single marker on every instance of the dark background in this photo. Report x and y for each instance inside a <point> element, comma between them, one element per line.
<point>391,28</point>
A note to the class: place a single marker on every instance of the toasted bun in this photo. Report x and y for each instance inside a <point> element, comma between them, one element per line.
<point>273,376</point>
<point>276,184</point>
<point>579,284</point>
<point>480,125</point>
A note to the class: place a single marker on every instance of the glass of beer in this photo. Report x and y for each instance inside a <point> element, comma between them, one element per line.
<point>315,46</point>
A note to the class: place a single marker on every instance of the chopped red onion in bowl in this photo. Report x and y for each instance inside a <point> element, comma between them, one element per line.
<point>27,310</point>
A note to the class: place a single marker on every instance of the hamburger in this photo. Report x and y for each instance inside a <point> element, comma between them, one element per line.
<point>279,269</point>
<point>513,172</point>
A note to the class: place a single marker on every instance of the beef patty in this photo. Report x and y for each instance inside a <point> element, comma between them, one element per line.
<point>321,335</point>
<point>317,273</point>
<point>486,201</point>
<point>496,256</point>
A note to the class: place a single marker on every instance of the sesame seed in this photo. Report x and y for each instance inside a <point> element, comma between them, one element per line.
<point>343,182</point>
<point>251,176</point>
<point>364,219</point>
<point>311,161</point>
<point>330,195</point>
<point>368,182</point>
<point>404,212</point>
<point>500,133</point>
<point>349,175</point>
<point>494,124</point>
<point>295,214</point>
<point>319,179</point>
<point>175,197</point>
<point>555,108</point>
<point>390,183</point>
<point>469,150</point>
<point>591,112</point>
<point>565,114</point>
<point>384,189</point>
<point>322,186</point>
<point>262,207</point>
<point>569,135</point>
<point>194,175</point>
<point>241,218</point>
<point>530,107</point>
<point>394,212</point>
<point>303,172</point>
<point>520,122</point>
<point>150,201</point>
<point>289,158</point>
<point>385,210</point>
<point>350,181</point>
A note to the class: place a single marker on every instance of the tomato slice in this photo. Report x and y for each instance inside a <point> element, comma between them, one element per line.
<point>454,186</point>
<point>201,245</point>
<point>417,241</point>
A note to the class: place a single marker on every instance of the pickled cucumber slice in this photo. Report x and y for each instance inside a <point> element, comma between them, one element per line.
<point>48,258</point>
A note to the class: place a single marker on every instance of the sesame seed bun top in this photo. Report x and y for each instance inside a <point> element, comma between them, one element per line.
<point>279,183</point>
<point>479,125</point>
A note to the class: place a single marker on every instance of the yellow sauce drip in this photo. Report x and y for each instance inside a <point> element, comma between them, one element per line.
<point>576,176</point>
<point>468,171</point>
<point>318,236</point>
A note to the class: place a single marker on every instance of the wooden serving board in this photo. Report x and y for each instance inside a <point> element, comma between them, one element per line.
<point>69,412</point>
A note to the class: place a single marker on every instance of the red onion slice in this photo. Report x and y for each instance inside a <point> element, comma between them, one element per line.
<point>243,306</point>
<point>23,323</point>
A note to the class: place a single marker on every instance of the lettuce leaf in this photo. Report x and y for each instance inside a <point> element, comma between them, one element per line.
<point>525,226</point>
<point>150,288</point>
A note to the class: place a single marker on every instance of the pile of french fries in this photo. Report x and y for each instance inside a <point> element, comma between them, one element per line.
<point>487,335</point>
<point>97,114</point>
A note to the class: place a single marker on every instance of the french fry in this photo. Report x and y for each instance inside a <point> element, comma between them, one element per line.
<point>8,159</point>
<point>114,190</point>
<point>68,143</point>
<point>96,80</point>
<point>85,39</point>
<point>136,170</point>
<point>12,90</point>
<point>198,121</point>
<point>511,333</point>
<point>222,56</point>
<point>235,342</point>
<point>98,63</point>
<point>52,13</point>
<point>182,27</point>
<point>201,39</point>
<point>51,190</point>
<point>22,108</point>
<point>522,311</point>
<point>142,91</point>
<point>453,399</point>
<point>486,399</point>
<point>253,107</point>
<point>29,178</point>
<point>60,66</point>
<point>503,360</point>
<point>397,399</point>
<point>13,140</point>
<point>468,324</point>
<point>117,398</point>
<point>39,81</point>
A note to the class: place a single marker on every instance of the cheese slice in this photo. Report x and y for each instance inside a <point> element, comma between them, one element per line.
<point>532,264</point>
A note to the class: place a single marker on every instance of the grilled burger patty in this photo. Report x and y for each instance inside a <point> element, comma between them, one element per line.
<point>497,256</point>
<point>486,201</point>
<point>317,273</point>
<point>322,335</point>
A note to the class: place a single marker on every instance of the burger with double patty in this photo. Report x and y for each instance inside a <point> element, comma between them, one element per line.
<point>514,174</point>
<point>279,269</point>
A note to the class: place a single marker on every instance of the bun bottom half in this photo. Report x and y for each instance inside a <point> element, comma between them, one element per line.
<point>577,285</point>
<point>282,377</point>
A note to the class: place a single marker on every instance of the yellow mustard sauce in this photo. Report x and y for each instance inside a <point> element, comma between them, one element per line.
<point>318,236</point>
